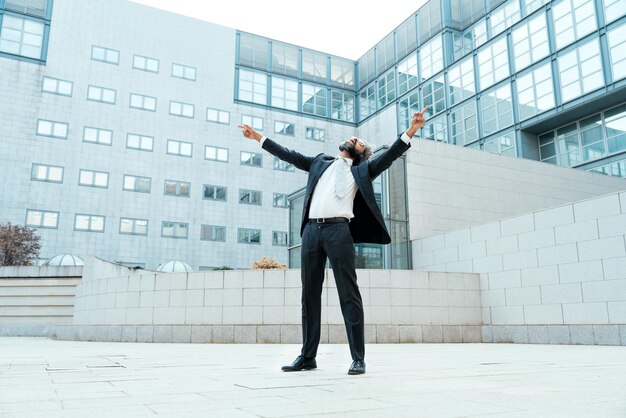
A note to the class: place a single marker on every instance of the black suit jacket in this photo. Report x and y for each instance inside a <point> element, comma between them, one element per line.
<point>368,224</point>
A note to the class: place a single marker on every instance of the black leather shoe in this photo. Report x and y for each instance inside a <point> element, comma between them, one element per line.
<point>358,367</point>
<point>300,363</point>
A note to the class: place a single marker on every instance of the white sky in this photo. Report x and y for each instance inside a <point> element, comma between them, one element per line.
<point>347,28</point>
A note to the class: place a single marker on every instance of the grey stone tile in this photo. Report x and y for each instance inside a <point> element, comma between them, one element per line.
<point>606,334</point>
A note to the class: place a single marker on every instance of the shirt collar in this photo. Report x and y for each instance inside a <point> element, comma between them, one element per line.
<point>347,160</point>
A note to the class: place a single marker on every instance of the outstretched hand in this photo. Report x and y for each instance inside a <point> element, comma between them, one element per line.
<point>417,122</point>
<point>249,132</point>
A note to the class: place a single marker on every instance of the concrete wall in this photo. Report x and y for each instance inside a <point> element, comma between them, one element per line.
<point>33,299</point>
<point>557,275</point>
<point>452,187</point>
<point>256,306</point>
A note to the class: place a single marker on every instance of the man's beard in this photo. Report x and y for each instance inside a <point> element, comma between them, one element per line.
<point>349,147</point>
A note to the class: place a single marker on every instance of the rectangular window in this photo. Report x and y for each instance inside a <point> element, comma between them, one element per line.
<point>56,86</point>
<point>174,230</point>
<point>386,89</point>
<point>133,226</point>
<point>493,63</point>
<point>212,192</point>
<point>580,71</point>
<point>108,55</point>
<point>434,94</point>
<point>252,86</point>
<point>52,128</point>
<point>21,36</point>
<point>535,92</point>
<point>367,98</point>
<point>177,188</point>
<point>342,105</point>
<point>437,129</point>
<point>284,128</point>
<point>137,184</point>
<point>179,148</point>
<point>183,71</point>
<point>497,109</point>
<point>615,128</point>
<point>614,9</point>
<point>573,19</point>
<point>314,134</point>
<point>138,101</point>
<point>97,135</point>
<point>617,49</point>
<point>504,17</point>
<point>502,144</point>
<point>314,65</point>
<point>51,173</point>
<point>90,223</point>
<point>280,200</point>
<point>461,81</point>
<point>407,74</point>
<point>217,116</point>
<point>253,51</point>
<point>284,59</point>
<point>342,73</point>
<point>253,159</point>
<point>248,236</point>
<point>216,154</point>
<point>93,178</point>
<point>279,238</point>
<point>101,94</point>
<point>139,142</point>
<point>42,218</point>
<point>185,110</point>
<point>145,64</point>
<point>284,93</point>
<point>406,108</point>
<point>431,57</point>
<point>463,124</point>
<point>314,100</point>
<point>282,165</point>
<point>547,148</point>
<point>213,233</point>
<point>256,123</point>
<point>250,197</point>
<point>530,42</point>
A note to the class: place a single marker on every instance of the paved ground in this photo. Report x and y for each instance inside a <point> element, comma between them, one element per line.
<point>46,378</point>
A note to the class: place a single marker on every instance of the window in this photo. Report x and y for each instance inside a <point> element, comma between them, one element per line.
<point>614,9</point>
<point>177,188</point>
<point>615,128</point>
<point>56,86</point>
<point>101,94</point>
<point>215,154</point>
<point>434,95</point>
<point>493,63</point>
<point>580,70</point>
<point>532,5</point>
<point>250,197</point>
<point>429,18</point>
<point>386,89</point>
<point>248,236</point>
<point>97,135</point>
<point>535,93</point>
<point>51,173</point>
<point>462,44</point>
<point>42,218</point>
<point>52,128</point>
<point>573,19</point>
<point>407,74</point>
<point>89,223</point>
<point>314,100</point>
<point>21,36</point>
<point>145,64</point>
<point>284,93</point>
<point>314,66</point>
<point>342,105</point>
<point>253,159</point>
<point>93,178</point>
<point>253,51</point>
<point>138,101</point>
<point>367,69</point>
<point>342,72</point>
<point>252,86</point>
<point>256,123</point>
<point>133,226</point>
<point>217,116</point>
<point>504,17</point>
<point>530,42</point>
<point>431,57</point>
<point>139,142</point>
<point>179,148</point>
<point>314,134</point>
<point>213,233</point>
<point>502,144</point>
<point>185,110</point>
<point>280,200</point>
<point>284,128</point>
<point>107,55</point>
<point>406,39</point>
<point>212,192</point>
<point>367,99</point>
<point>463,124</point>
<point>461,81</point>
<point>174,230</point>
<point>547,148</point>
<point>284,59</point>
<point>497,109</point>
<point>592,142</point>
<point>437,130</point>
<point>282,165</point>
<point>279,238</point>
<point>385,56</point>
<point>406,108</point>
<point>137,184</point>
<point>183,71</point>
<point>617,47</point>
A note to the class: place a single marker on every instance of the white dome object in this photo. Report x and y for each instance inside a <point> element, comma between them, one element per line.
<point>64,260</point>
<point>174,266</point>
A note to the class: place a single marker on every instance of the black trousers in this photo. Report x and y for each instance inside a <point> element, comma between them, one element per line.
<point>332,240</point>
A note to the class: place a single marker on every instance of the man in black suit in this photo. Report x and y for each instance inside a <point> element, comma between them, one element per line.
<point>339,210</point>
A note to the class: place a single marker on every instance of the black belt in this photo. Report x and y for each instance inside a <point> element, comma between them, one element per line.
<point>329,220</point>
